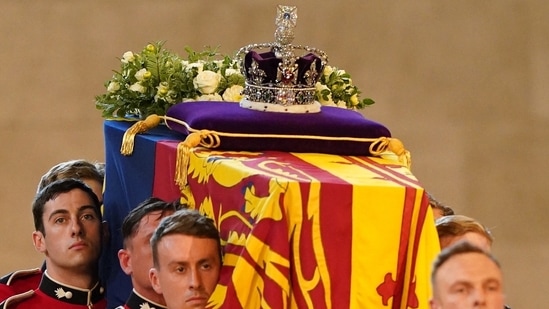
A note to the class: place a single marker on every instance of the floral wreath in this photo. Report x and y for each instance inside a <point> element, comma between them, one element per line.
<point>151,81</point>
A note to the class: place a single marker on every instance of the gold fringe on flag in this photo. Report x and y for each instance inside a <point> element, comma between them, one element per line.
<point>139,127</point>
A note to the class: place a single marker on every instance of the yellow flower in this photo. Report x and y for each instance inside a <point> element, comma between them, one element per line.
<point>354,99</point>
<point>163,88</point>
<point>150,48</point>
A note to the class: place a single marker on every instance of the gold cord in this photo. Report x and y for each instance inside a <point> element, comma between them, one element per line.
<point>211,139</point>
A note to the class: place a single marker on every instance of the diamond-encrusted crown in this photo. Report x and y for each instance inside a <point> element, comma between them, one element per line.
<point>278,79</point>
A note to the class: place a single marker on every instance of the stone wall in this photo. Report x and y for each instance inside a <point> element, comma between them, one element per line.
<point>462,83</point>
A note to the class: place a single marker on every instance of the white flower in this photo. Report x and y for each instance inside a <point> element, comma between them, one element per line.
<point>233,94</point>
<point>142,74</point>
<point>327,70</point>
<point>210,97</point>
<point>340,72</point>
<point>113,87</point>
<point>341,104</point>
<point>164,93</point>
<point>137,87</point>
<point>199,65</point>
<point>319,87</point>
<point>128,57</point>
<point>229,72</point>
<point>207,81</point>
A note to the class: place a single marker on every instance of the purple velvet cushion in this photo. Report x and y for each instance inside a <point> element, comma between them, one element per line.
<point>231,118</point>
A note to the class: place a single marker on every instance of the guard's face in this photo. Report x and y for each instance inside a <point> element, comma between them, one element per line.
<point>188,270</point>
<point>72,228</point>
<point>469,280</point>
<point>136,260</point>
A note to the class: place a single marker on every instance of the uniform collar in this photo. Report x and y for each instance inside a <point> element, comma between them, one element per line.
<point>136,301</point>
<point>70,294</point>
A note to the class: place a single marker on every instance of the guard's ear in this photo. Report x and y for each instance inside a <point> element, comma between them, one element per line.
<point>124,257</point>
<point>39,242</point>
<point>155,282</point>
<point>433,304</point>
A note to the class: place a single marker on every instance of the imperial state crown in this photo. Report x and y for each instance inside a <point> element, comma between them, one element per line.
<point>283,78</point>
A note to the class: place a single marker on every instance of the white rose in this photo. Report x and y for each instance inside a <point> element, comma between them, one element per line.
<point>137,87</point>
<point>113,87</point>
<point>233,94</point>
<point>319,87</point>
<point>327,70</point>
<point>210,97</point>
<point>207,81</point>
<point>128,57</point>
<point>142,74</point>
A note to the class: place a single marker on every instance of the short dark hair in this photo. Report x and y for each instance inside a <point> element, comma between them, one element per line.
<point>186,222</point>
<point>458,225</point>
<point>130,225</point>
<point>461,247</point>
<point>53,190</point>
<point>79,169</point>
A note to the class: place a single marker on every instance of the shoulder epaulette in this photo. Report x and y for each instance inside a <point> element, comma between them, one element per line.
<point>15,299</point>
<point>7,279</point>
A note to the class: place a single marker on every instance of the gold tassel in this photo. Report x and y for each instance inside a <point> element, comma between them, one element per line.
<point>139,127</point>
<point>404,156</point>
<point>183,156</point>
<point>394,145</point>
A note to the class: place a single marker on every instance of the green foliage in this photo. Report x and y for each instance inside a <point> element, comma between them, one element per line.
<point>335,88</point>
<point>151,81</point>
